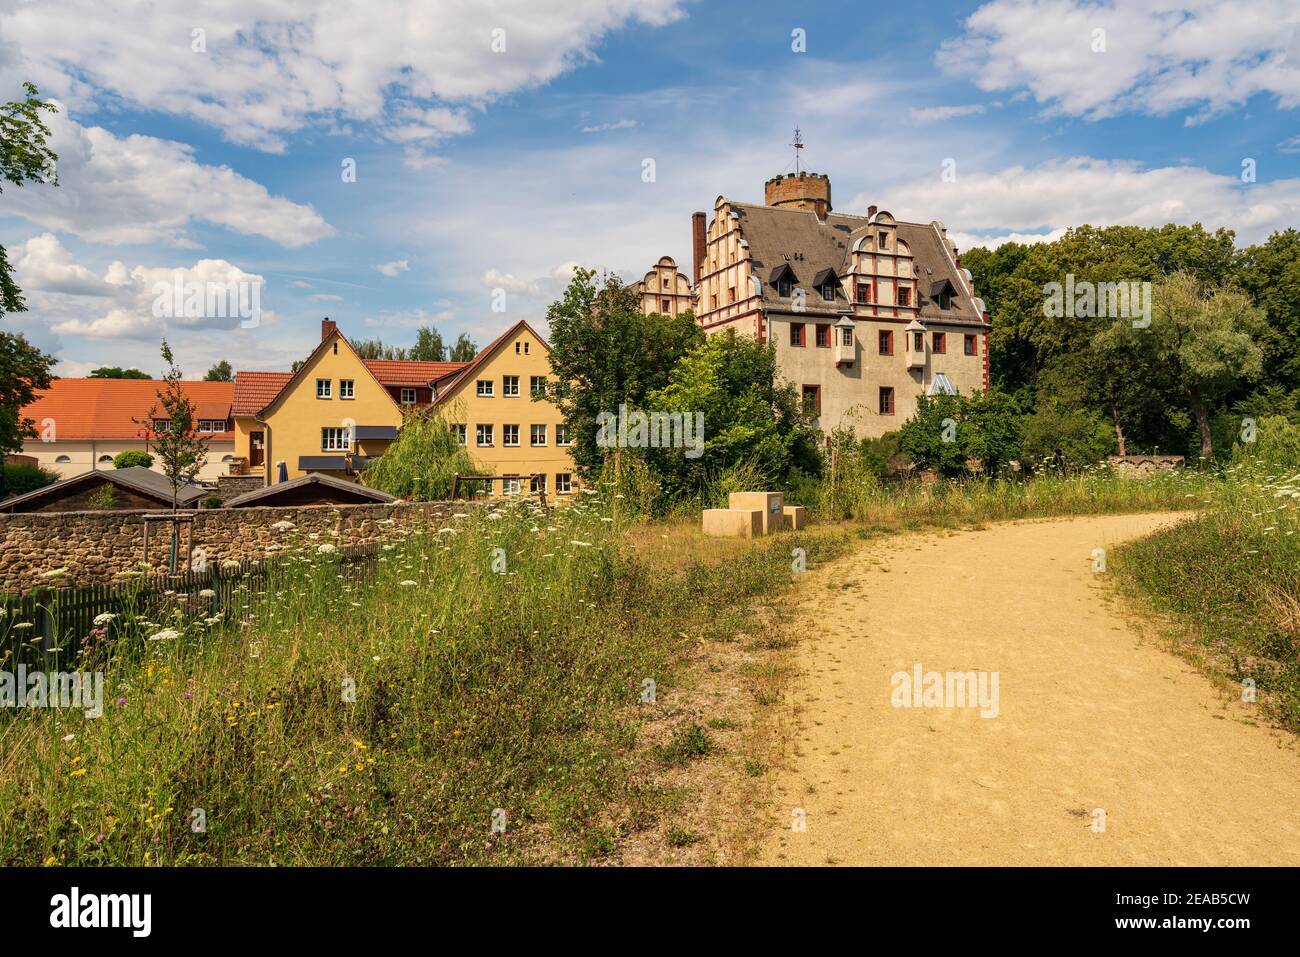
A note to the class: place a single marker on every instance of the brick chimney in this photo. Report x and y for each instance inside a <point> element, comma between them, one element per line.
<point>699,242</point>
<point>327,328</point>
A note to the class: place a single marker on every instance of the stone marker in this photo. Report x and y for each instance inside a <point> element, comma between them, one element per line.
<point>795,517</point>
<point>769,503</point>
<point>733,522</point>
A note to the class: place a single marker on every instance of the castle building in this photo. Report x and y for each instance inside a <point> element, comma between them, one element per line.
<point>664,290</point>
<point>866,312</point>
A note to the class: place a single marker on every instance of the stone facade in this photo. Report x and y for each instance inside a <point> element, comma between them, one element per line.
<point>232,486</point>
<point>96,547</point>
<point>1137,466</point>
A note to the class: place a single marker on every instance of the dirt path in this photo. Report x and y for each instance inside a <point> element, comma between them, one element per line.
<point>1090,716</point>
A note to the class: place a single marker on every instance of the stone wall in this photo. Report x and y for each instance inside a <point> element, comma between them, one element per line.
<point>233,486</point>
<point>1136,466</point>
<point>95,547</point>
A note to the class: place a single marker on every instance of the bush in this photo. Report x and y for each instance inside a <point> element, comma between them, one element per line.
<point>21,478</point>
<point>949,431</point>
<point>212,501</point>
<point>103,498</point>
<point>132,458</point>
<point>1065,438</point>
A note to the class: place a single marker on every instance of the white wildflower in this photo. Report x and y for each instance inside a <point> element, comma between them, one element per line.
<point>165,635</point>
<point>282,526</point>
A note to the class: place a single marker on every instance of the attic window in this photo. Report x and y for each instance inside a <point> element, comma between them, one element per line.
<point>828,291</point>
<point>784,288</point>
<point>336,347</point>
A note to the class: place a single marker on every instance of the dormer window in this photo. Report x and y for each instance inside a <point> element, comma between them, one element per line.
<point>828,291</point>
<point>783,288</point>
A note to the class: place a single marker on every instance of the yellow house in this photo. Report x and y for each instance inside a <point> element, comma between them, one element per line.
<point>337,411</point>
<point>490,405</point>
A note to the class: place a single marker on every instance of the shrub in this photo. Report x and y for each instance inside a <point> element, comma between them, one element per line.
<point>21,478</point>
<point>103,498</point>
<point>132,458</point>
<point>949,431</point>
<point>212,501</point>
<point>1065,438</point>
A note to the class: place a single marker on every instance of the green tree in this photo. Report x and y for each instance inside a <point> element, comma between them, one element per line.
<point>947,432</point>
<point>1207,338</point>
<point>117,372</point>
<point>1064,437</point>
<point>22,477</point>
<point>463,349</point>
<point>428,346</point>
<point>1271,274</point>
<point>132,458</point>
<point>420,465</point>
<point>221,372</point>
<point>727,387</point>
<point>606,353</point>
<point>25,157</point>
<point>177,445</point>
<point>375,349</point>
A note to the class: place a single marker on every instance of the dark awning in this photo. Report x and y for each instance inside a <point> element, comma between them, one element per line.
<point>318,463</point>
<point>360,462</point>
<point>364,432</point>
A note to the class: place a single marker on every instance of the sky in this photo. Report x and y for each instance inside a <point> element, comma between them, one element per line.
<point>497,145</point>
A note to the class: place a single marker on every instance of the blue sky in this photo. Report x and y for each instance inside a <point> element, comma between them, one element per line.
<point>482,169</point>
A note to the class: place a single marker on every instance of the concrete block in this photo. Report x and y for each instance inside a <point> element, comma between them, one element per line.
<point>795,517</point>
<point>733,522</point>
<point>769,503</point>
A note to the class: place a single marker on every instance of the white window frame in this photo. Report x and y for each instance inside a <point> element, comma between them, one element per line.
<point>505,436</point>
<point>324,388</point>
<point>508,381</point>
<point>510,486</point>
<point>347,388</point>
<point>335,439</point>
<point>536,384</point>
<point>532,435</point>
<point>532,484</point>
<point>481,430</point>
<point>461,431</point>
<point>563,483</point>
<point>562,430</point>
<point>404,399</point>
<point>483,388</point>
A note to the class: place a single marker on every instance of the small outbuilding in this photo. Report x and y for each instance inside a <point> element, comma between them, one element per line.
<point>312,489</point>
<point>107,490</point>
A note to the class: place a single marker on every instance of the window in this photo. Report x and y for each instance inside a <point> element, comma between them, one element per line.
<point>335,440</point>
<point>918,342</point>
<point>731,294</point>
<point>945,300</point>
<point>784,288</point>
<point>537,484</point>
<point>828,291</point>
<point>823,336</point>
<point>864,292</point>
<point>408,397</point>
<point>904,296</point>
<point>939,343</point>
<point>484,387</point>
<point>883,241</point>
<point>322,388</point>
<point>510,386</point>
<point>212,425</point>
<point>160,425</point>
<point>563,483</point>
<point>562,435</point>
<point>536,384</point>
<point>666,306</point>
<point>713,301</point>
<point>510,486</point>
<point>63,459</point>
<point>483,435</point>
<point>970,346</point>
<point>537,435</point>
<point>846,336</point>
<point>886,342</point>
<point>459,430</point>
<point>886,400</point>
<point>347,389</point>
<point>510,436</point>
<point>105,458</point>
<point>812,399</point>
<point>796,334</point>
<point>526,345</point>
<point>517,348</point>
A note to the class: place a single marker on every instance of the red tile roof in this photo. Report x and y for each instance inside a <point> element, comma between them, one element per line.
<point>104,409</point>
<point>254,391</point>
<point>403,372</point>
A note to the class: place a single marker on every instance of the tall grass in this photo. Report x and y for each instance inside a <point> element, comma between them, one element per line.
<point>478,686</point>
<point>1230,578</point>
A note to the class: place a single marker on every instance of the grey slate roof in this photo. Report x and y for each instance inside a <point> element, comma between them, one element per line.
<point>260,495</point>
<point>137,478</point>
<point>775,232</point>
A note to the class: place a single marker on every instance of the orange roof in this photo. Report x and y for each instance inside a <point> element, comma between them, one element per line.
<point>104,409</point>
<point>405,372</point>
<point>254,391</point>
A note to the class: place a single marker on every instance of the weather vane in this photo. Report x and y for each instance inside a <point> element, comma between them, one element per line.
<point>798,145</point>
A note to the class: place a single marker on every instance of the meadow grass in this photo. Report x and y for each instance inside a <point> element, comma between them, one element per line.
<point>480,690</point>
<point>1229,579</point>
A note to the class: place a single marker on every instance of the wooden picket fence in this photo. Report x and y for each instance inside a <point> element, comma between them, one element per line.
<point>45,627</point>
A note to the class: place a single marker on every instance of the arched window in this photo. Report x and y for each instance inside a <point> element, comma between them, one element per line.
<point>227,458</point>
<point>106,458</point>
<point>63,459</point>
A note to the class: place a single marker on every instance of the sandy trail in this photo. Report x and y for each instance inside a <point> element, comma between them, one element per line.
<point>1090,716</point>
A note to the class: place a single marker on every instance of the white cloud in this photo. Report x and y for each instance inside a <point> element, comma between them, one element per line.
<point>1038,202</point>
<point>606,127</point>
<point>265,72</point>
<point>140,189</point>
<point>325,297</point>
<point>119,304</point>
<point>391,269</point>
<point>1160,55</point>
<point>495,279</point>
<point>932,114</point>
